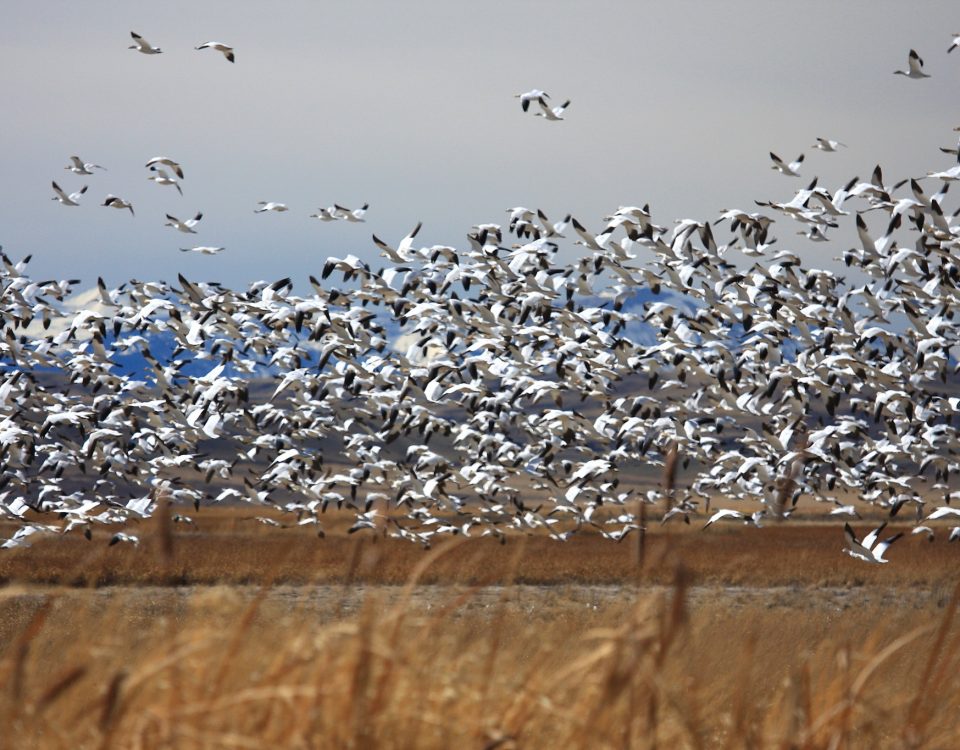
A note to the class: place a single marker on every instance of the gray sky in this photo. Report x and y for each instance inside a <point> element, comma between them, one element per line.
<point>409,106</point>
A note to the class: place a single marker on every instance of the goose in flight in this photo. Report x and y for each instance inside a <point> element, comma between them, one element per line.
<point>326,214</point>
<point>79,166</point>
<point>120,537</point>
<point>115,202</point>
<point>355,215</point>
<point>168,162</point>
<point>270,206</point>
<point>404,252</point>
<point>202,249</point>
<point>825,144</point>
<point>530,96</point>
<point>184,226</point>
<point>914,67</point>
<point>142,45</point>
<point>68,200</point>
<point>162,178</point>
<point>226,49</point>
<point>752,518</point>
<point>868,550</point>
<point>556,113</point>
<point>791,170</point>
<point>956,42</point>
<point>944,511</point>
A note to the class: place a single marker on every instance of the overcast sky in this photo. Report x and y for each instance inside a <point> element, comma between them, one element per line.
<point>409,106</point>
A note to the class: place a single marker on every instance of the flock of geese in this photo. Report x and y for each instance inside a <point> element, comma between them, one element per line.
<point>489,389</point>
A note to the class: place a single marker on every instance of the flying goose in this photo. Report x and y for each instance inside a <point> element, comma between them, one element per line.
<point>79,166</point>
<point>825,144</point>
<point>270,206</point>
<point>555,113</point>
<point>162,178</point>
<point>142,45</point>
<point>226,49</point>
<point>530,96</point>
<point>68,200</point>
<point>202,249</point>
<point>168,162</point>
<point>791,170</point>
<point>914,67</point>
<point>869,550</point>
<point>184,226</point>
<point>115,202</point>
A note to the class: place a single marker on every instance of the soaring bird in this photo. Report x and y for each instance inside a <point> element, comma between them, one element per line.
<point>791,170</point>
<point>326,214</point>
<point>555,113</point>
<point>270,206</point>
<point>169,162</point>
<point>529,96</point>
<point>914,67</point>
<point>162,178</point>
<point>187,226</point>
<point>115,202</point>
<point>752,518</point>
<point>202,250</point>
<point>355,215</point>
<point>120,537</point>
<point>68,200</point>
<point>142,45</point>
<point>956,42</point>
<point>226,49</point>
<point>79,166</point>
<point>825,144</point>
<point>869,550</point>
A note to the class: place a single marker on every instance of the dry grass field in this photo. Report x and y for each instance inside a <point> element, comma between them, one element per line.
<point>241,635</point>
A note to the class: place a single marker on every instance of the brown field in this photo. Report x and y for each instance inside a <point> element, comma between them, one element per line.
<point>240,635</point>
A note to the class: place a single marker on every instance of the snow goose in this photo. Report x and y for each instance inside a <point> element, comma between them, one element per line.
<point>68,200</point>
<point>825,144</point>
<point>142,45</point>
<point>226,49</point>
<point>404,251</point>
<point>326,214</point>
<point>914,67</point>
<point>115,202</point>
<point>355,215</point>
<point>869,550</point>
<point>187,227</point>
<point>554,113</point>
<point>529,96</point>
<point>177,170</point>
<point>202,249</point>
<point>79,166</point>
<point>791,170</point>
<point>270,206</point>
<point>162,178</point>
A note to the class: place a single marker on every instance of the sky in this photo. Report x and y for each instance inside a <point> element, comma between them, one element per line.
<point>410,107</point>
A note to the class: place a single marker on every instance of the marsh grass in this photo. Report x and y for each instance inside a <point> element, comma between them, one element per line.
<point>345,659</point>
